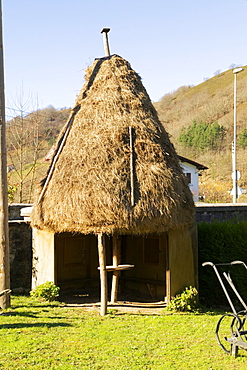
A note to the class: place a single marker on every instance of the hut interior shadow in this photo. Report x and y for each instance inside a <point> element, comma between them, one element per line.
<point>77,274</point>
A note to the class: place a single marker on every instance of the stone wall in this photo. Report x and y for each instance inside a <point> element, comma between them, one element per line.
<point>15,211</point>
<point>208,212</point>
<point>20,245</point>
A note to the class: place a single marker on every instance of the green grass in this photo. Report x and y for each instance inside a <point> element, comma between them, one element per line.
<point>39,336</point>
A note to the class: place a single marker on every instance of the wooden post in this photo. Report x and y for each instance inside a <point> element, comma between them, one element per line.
<point>116,243</point>
<point>132,191</point>
<point>105,31</point>
<point>103,274</point>
<point>168,276</point>
<point>4,231</point>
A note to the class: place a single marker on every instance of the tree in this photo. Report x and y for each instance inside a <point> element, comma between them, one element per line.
<point>29,138</point>
<point>202,135</point>
<point>25,146</point>
<point>242,142</point>
<point>216,73</point>
<point>23,150</point>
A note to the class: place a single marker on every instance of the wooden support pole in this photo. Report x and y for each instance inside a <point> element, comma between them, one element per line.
<point>132,191</point>
<point>103,274</point>
<point>4,231</point>
<point>116,244</point>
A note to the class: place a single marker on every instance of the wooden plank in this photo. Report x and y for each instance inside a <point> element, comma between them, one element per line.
<point>5,291</point>
<point>103,274</point>
<point>116,245</point>
<point>119,267</point>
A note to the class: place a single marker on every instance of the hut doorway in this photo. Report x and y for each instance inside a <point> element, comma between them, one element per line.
<point>76,266</point>
<point>76,261</point>
<point>150,257</point>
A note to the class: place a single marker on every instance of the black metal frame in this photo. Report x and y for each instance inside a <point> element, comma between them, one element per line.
<point>238,336</point>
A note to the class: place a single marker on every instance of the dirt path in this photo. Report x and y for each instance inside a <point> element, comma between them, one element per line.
<point>154,308</point>
<point>125,304</point>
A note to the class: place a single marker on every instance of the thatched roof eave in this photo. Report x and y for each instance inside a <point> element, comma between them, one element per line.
<point>105,177</point>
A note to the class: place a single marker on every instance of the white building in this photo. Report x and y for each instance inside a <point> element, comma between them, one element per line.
<point>192,169</point>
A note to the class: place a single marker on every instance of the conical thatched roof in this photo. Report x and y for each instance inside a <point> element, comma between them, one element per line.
<point>99,181</point>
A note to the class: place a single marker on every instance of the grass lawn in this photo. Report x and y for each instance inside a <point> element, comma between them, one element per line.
<point>37,336</point>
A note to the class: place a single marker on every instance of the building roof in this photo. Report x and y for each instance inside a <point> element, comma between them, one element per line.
<point>114,169</point>
<point>196,164</point>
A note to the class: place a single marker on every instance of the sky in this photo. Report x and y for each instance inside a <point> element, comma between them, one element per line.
<point>48,44</point>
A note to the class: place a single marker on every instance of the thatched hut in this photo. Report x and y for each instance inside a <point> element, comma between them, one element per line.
<point>115,175</point>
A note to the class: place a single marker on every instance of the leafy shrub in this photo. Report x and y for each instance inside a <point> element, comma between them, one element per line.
<point>202,135</point>
<point>12,189</point>
<point>185,301</point>
<point>47,291</point>
<point>242,142</point>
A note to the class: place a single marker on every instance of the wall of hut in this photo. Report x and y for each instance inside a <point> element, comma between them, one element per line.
<point>163,264</point>
<point>21,254</point>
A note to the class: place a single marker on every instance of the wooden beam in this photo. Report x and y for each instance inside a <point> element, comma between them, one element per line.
<point>103,274</point>
<point>168,276</point>
<point>116,245</point>
<point>132,182</point>
<point>118,268</point>
<point>4,230</point>
<point>105,31</point>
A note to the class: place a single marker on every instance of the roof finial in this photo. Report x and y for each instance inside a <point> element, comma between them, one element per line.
<point>106,42</point>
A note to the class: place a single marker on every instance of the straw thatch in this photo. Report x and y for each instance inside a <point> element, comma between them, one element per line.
<point>90,181</point>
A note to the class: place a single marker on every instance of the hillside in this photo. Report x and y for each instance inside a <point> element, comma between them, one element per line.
<point>29,137</point>
<point>208,102</point>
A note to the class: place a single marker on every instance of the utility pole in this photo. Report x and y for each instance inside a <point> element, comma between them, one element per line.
<point>4,230</point>
<point>235,173</point>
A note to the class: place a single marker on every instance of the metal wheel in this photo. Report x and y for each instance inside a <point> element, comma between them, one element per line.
<point>228,327</point>
<point>242,331</point>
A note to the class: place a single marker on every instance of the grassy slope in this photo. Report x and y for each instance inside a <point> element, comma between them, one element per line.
<point>211,100</point>
<point>39,336</point>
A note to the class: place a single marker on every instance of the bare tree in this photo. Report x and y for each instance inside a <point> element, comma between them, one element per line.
<point>216,73</point>
<point>30,134</point>
<point>25,144</point>
<point>232,66</point>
